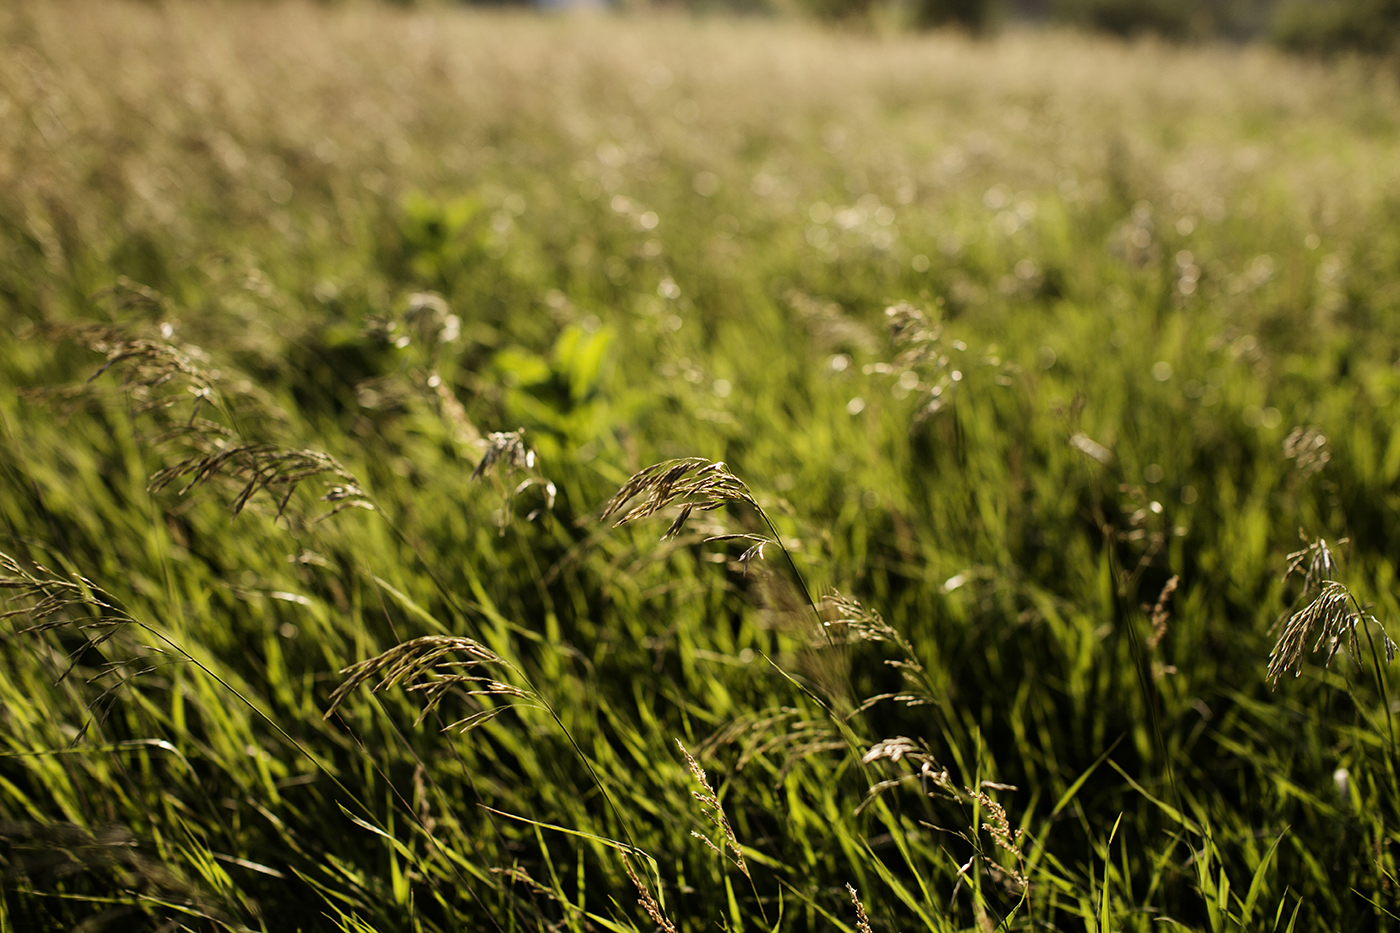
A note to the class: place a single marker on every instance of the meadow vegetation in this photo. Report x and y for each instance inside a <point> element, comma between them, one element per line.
<point>964,402</point>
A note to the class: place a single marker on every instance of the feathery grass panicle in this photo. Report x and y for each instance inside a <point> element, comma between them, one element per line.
<point>144,365</point>
<point>793,732</point>
<point>505,448</point>
<point>901,748</point>
<point>279,470</point>
<point>57,602</point>
<point>855,621</point>
<point>1334,613</point>
<point>694,483</point>
<point>921,351</point>
<point>1307,448</point>
<point>851,620</point>
<point>898,748</point>
<point>507,451</point>
<point>1317,557</point>
<point>151,364</point>
<point>1160,613</point>
<point>710,803</point>
<point>420,661</point>
<point>911,330</point>
<point>998,826</point>
<point>430,316</point>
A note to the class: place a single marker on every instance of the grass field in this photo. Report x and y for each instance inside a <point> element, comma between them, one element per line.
<point>1026,360</point>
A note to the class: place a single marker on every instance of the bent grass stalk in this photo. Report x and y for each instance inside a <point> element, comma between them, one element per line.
<point>51,597</point>
<point>271,467</point>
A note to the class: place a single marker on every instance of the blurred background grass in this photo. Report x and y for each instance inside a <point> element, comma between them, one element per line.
<point>1157,286</point>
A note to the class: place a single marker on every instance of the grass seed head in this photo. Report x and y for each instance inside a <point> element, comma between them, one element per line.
<point>1307,448</point>
<point>854,621</point>
<point>862,920</point>
<point>278,470</point>
<point>709,802</point>
<point>1334,614</point>
<point>1316,556</point>
<point>1331,614</point>
<point>507,448</point>
<point>423,663</point>
<point>647,900</point>
<point>693,483</point>
<point>1161,614</point>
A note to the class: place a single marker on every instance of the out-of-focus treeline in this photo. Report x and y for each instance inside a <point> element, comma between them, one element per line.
<point>1311,26</point>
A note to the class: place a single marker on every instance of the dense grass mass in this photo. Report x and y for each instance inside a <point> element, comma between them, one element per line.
<point>976,617</point>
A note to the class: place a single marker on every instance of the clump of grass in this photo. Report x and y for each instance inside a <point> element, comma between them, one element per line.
<point>285,239</point>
